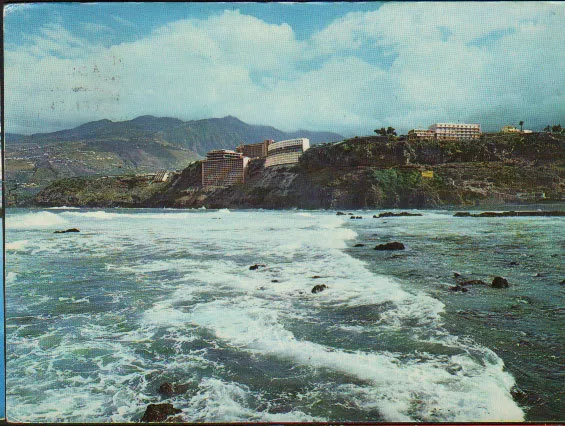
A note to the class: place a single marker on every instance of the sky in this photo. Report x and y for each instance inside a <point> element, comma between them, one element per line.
<point>343,67</point>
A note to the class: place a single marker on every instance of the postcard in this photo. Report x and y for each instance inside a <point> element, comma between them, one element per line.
<point>284,212</point>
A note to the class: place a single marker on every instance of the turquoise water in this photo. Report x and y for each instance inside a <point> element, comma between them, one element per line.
<point>97,320</point>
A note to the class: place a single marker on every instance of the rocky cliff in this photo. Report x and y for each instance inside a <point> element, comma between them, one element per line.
<point>363,172</point>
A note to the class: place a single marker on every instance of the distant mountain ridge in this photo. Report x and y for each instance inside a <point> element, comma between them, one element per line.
<point>199,136</point>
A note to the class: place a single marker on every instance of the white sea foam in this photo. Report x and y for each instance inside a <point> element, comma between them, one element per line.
<point>201,269</point>
<point>35,220</point>
<point>478,393</point>
<point>11,277</point>
<point>16,245</point>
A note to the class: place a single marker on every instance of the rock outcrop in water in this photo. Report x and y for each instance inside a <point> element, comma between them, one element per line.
<point>319,288</point>
<point>395,245</point>
<point>159,412</point>
<point>66,231</point>
<point>367,172</point>
<point>499,282</point>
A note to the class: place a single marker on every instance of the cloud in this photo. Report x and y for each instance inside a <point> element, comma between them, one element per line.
<point>404,65</point>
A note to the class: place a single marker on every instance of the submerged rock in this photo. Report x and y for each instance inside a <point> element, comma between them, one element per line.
<point>562,282</point>
<point>472,282</point>
<point>257,266</point>
<point>359,245</point>
<point>315,276</point>
<point>170,389</point>
<point>340,214</point>
<point>318,288</point>
<point>68,230</point>
<point>275,281</point>
<point>459,288</point>
<point>395,245</point>
<point>159,412</point>
<point>499,282</point>
<point>462,214</point>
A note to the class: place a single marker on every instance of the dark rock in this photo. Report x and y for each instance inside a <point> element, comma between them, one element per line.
<point>256,266</point>
<point>472,282</point>
<point>350,214</point>
<point>375,216</point>
<point>562,282</point>
<point>275,281</point>
<point>315,277</point>
<point>499,282</point>
<point>261,288</point>
<point>395,245</point>
<point>456,274</point>
<point>359,217</point>
<point>318,288</point>
<point>459,288</point>
<point>170,389</point>
<point>462,214</point>
<point>390,214</point>
<point>359,245</point>
<point>514,263</point>
<point>539,275</point>
<point>159,412</point>
<point>68,230</point>
<point>340,214</point>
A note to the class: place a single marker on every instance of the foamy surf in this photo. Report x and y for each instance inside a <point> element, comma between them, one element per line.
<point>169,296</point>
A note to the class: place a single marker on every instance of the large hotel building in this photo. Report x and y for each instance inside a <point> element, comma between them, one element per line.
<point>256,150</point>
<point>447,131</point>
<point>286,152</point>
<point>223,168</point>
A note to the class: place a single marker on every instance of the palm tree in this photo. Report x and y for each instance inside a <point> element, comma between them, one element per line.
<point>521,123</point>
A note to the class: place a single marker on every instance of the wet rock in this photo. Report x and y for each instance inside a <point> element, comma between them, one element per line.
<point>514,263</point>
<point>395,245</point>
<point>562,282</point>
<point>318,288</point>
<point>315,277</point>
<point>472,282</point>
<point>375,216</point>
<point>456,274</point>
<point>459,288</point>
<point>359,245</point>
<point>340,214</point>
<point>170,389</point>
<point>499,282</point>
<point>462,214</point>
<point>401,214</point>
<point>68,230</point>
<point>159,412</point>
<point>257,266</point>
<point>260,288</point>
<point>275,281</point>
<point>539,275</point>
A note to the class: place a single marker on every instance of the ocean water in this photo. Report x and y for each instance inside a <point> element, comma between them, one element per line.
<point>96,321</point>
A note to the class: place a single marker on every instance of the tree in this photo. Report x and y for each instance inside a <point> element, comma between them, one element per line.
<point>556,128</point>
<point>521,125</point>
<point>381,131</point>
<point>391,131</point>
<point>547,128</point>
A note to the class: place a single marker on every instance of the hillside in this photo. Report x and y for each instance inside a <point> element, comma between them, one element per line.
<point>368,172</point>
<point>144,144</point>
<point>199,136</point>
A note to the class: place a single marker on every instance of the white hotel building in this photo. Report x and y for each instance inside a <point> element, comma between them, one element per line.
<point>286,152</point>
<point>456,131</point>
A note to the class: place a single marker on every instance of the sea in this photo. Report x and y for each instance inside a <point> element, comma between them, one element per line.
<point>220,304</point>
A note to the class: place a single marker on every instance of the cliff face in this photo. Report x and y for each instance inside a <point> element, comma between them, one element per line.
<point>356,173</point>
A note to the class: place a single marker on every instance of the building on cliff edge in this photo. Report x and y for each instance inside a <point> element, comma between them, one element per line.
<point>286,152</point>
<point>223,168</point>
<point>447,131</point>
<point>255,150</point>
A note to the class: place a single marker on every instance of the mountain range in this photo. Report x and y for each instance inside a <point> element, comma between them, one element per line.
<point>144,144</point>
<point>198,136</point>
